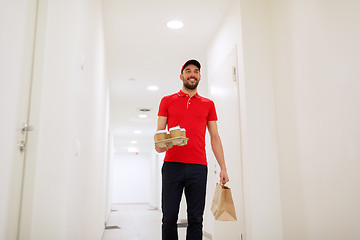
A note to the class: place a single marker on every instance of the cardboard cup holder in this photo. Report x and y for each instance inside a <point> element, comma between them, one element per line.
<point>169,143</point>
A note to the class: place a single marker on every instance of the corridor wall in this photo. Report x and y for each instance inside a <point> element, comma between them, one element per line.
<point>64,194</point>
<point>261,166</point>
<point>316,77</point>
<point>73,125</point>
<point>131,178</point>
<point>246,27</point>
<point>299,99</point>
<point>226,40</point>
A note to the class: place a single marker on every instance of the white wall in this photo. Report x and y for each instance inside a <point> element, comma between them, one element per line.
<point>69,152</point>
<point>225,39</point>
<point>247,25</point>
<point>131,178</point>
<point>261,163</point>
<point>224,44</point>
<point>311,62</point>
<point>316,72</point>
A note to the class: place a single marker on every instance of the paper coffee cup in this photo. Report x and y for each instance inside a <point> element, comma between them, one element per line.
<point>175,132</point>
<point>160,135</point>
<point>183,132</point>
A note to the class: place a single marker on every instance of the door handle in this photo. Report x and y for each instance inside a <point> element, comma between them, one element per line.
<point>26,128</point>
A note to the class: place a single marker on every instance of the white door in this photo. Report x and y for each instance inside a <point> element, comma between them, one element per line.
<point>26,28</point>
<point>224,91</point>
<point>38,13</point>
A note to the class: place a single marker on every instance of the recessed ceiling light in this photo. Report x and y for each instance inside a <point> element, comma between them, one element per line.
<point>132,149</point>
<point>175,24</point>
<point>137,131</point>
<point>133,142</point>
<point>143,116</point>
<point>153,88</point>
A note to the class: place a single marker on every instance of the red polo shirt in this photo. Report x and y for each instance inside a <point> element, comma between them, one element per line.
<point>192,114</point>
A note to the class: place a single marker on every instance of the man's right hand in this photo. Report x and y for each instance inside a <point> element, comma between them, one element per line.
<point>160,150</point>
<point>161,125</point>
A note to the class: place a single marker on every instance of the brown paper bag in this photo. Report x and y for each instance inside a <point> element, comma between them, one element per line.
<point>222,206</point>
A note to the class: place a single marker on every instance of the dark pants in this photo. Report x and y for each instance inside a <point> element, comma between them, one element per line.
<point>175,178</point>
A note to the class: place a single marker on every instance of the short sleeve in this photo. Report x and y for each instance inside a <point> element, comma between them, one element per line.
<point>163,108</point>
<point>212,112</point>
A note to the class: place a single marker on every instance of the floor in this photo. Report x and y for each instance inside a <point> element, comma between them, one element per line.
<point>136,222</point>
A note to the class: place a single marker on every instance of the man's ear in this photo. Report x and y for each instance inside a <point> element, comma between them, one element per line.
<point>181,76</point>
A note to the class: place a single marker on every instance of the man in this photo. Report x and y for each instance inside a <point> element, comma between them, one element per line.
<point>185,167</point>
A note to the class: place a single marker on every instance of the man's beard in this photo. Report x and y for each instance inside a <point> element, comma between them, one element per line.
<point>190,86</point>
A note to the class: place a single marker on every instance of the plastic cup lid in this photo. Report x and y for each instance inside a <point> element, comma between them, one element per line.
<point>174,128</point>
<point>161,131</point>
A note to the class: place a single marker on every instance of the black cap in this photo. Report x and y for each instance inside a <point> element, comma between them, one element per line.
<point>192,61</point>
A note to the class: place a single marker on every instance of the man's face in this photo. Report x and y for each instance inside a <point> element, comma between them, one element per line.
<point>191,76</point>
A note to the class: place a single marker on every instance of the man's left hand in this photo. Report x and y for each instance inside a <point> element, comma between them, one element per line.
<point>224,178</point>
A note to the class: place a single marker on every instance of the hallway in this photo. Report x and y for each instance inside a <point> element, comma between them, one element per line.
<point>81,83</point>
<point>136,222</point>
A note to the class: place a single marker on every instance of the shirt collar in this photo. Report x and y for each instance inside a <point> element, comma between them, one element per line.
<point>182,94</point>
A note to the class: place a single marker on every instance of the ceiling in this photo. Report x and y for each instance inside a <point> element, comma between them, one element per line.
<point>141,51</point>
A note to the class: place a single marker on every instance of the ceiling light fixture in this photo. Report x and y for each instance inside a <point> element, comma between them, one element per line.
<point>143,116</point>
<point>133,142</point>
<point>133,149</point>
<point>175,24</point>
<point>153,88</point>
<point>137,131</point>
